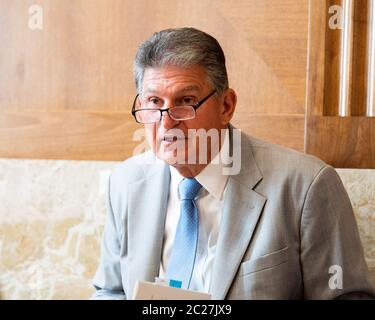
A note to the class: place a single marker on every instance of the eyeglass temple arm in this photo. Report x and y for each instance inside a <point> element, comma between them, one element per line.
<point>204,100</point>
<point>133,108</point>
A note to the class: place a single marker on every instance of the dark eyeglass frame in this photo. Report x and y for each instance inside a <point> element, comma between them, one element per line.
<point>195,106</point>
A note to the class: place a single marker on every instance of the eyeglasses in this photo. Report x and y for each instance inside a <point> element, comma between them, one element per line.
<point>178,113</point>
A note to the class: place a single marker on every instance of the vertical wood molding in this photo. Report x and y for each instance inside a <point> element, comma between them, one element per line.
<point>359,61</point>
<point>346,53</point>
<point>343,138</point>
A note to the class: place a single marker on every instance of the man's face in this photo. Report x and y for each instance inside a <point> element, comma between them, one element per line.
<point>168,87</point>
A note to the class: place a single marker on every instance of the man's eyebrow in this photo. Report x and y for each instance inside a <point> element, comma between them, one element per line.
<point>192,87</point>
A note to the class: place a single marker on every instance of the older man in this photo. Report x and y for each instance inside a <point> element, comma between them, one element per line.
<point>279,227</point>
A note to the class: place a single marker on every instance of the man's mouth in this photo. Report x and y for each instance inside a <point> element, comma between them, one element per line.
<point>171,139</point>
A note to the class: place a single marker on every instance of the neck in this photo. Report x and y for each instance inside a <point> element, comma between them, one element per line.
<point>192,170</point>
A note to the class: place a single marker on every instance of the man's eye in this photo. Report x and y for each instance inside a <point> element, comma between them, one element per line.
<point>188,101</point>
<point>153,103</point>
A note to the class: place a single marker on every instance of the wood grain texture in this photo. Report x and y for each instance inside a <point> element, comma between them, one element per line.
<point>283,129</point>
<point>343,142</point>
<point>316,57</point>
<point>67,135</point>
<point>361,28</point>
<point>331,65</point>
<point>82,60</point>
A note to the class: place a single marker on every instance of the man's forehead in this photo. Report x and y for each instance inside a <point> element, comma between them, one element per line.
<point>174,78</point>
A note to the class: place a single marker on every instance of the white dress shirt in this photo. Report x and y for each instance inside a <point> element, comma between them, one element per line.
<point>210,203</point>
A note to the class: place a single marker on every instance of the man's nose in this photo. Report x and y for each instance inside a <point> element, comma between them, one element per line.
<point>167,122</point>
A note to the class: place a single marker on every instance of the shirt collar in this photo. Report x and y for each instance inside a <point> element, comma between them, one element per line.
<point>211,177</point>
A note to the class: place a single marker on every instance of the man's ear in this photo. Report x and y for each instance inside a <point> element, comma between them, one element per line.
<point>228,106</point>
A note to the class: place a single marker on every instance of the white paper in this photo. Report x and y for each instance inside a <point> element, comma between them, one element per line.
<point>144,290</point>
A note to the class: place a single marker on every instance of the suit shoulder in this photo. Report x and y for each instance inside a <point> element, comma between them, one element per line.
<point>133,168</point>
<point>272,157</point>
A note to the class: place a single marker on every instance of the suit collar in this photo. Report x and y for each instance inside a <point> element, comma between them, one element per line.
<point>249,174</point>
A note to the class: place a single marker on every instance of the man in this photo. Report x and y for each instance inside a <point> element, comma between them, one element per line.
<point>279,227</point>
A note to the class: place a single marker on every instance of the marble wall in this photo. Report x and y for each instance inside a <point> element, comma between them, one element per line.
<point>52,215</point>
<point>360,184</point>
<point>51,219</point>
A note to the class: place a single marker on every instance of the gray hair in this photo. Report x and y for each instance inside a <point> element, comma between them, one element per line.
<point>182,47</point>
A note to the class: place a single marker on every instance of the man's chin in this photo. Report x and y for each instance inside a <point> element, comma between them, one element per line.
<point>171,158</point>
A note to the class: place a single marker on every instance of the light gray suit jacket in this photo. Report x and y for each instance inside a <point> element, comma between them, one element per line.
<point>286,220</point>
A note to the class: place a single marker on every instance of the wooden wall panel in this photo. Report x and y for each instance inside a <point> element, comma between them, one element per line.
<point>344,142</point>
<point>72,80</point>
<point>67,135</point>
<point>80,60</point>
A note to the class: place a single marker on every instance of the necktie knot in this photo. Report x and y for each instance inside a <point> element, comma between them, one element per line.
<point>189,188</point>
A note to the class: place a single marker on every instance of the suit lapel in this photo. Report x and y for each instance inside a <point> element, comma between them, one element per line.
<point>241,211</point>
<point>147,210</point>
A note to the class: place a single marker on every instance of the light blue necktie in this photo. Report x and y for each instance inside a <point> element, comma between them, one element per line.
<point>181,261</point>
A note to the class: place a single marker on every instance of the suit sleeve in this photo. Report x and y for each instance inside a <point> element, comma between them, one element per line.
<point>332,258</point>
<point>107,280</point>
